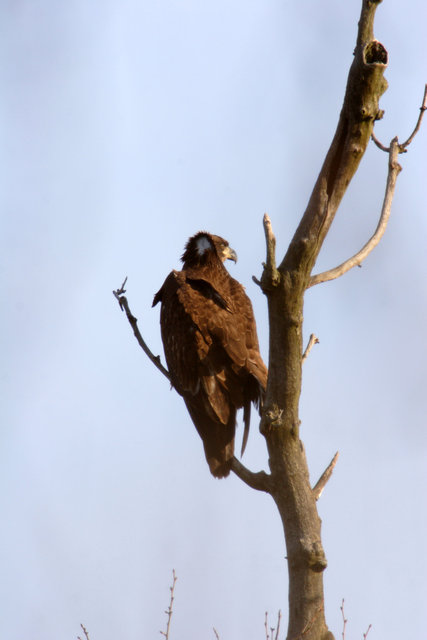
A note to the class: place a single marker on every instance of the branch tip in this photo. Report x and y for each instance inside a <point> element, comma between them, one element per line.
<point>270,276</point>
<point>255,279</point>
<point>311,342</point>
<point>321,483</point>
<point>169,611</point>
<point>85,632</point>
<point>124,306</point>
<point>417,127</point>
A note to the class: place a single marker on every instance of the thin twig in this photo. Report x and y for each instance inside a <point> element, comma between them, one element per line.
<point>267,637</point>
<point>124,306</point>
<point>365,635</point>
<point>279,617</point>
<point>311,342</point>
<point>394,169</point>
<point>321,483</point>
<point>423,108</point>
<point>402,147</point>
<point>216,633</point>
<point>87,635</point>
<point>170,610</point>
<point>379,144</point>
<point>344,619</point>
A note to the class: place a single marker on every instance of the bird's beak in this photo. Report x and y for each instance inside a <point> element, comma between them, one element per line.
<point>230,254</point>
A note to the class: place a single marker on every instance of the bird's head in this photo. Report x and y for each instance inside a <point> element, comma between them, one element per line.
<point>203,247</point>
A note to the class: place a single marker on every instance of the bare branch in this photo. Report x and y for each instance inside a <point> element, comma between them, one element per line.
<point>169,611</point>
<point>216,633</point>
<point>124,306</point>
<point>311,342</point>
<point>360,110</point>
<point>270,276</point>
<point>379,144</point>
<point>394,169</point>
<point>267,637</point>
<point>344,623</point>
<point>402,147</point>
<point>321,483</point>
<point>260,481</point>
<point>423,108</point>
<point>270,241</point>
<point>344,619</point>
<point>279,617</point>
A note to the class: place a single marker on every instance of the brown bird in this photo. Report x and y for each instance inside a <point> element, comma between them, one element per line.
<point>211,346</point>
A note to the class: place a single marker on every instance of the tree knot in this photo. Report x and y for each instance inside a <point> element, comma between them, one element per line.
<point>271,419</point>
<point>315,555</point>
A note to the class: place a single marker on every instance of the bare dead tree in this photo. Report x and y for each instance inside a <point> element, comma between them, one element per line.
<point>285,286</point>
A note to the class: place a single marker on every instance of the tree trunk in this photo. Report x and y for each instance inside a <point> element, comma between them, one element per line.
<point>285,287</point>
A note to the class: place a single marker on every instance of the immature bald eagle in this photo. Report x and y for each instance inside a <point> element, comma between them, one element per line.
<point>211,346</point>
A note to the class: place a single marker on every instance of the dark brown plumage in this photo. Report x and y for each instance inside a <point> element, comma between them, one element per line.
<point>211,346</point>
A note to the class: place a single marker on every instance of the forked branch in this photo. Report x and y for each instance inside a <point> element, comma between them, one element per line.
<point>394,169</point>
<point>402,147</point>
<point>365,85</point>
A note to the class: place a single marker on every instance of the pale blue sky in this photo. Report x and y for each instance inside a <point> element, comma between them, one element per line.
<point>125,128</point>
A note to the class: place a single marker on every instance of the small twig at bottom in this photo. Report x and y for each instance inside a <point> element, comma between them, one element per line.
<point>344,623</point>
<point>279,617</point>
<point>344,619</point>
<point>87,635</point>
<point>169,611</point>
<point>216,633</point>
<point>267,637</point>
<point>272,629</point>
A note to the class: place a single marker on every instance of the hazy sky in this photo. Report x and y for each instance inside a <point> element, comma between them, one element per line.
<point>125,128</point>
